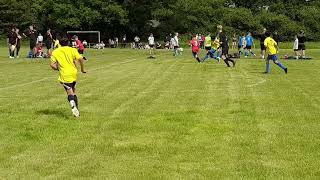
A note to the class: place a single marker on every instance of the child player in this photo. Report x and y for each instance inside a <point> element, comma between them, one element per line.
<point>63,59</point>
<point>272,48</point>
<point>195,48</point>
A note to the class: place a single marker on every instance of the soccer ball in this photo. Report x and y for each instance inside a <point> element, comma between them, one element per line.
<point>180,49</point>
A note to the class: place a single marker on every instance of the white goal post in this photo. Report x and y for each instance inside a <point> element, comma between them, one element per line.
<point>86,32</point>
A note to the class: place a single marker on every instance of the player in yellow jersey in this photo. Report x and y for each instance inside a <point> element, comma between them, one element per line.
<point>272,48</point>
<point>64,60</point>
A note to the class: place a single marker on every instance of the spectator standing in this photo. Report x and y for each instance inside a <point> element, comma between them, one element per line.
<point>151,44</point>
<point>136,42</point>
<point>12,42</point>
<point>124,41</point>
<point>40,39</point>
<point>302,46</point>
<point>32,34</point>
<point>116,40</point>
<point>262,37</point>
<point>296,47</point>
<point>49,41</point>
<point>18,46</point>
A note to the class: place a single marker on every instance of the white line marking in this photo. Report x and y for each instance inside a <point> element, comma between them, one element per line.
<point>24,84</point>
<point>43,79</point>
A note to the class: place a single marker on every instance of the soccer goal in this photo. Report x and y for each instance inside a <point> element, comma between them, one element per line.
<point>89,36</point>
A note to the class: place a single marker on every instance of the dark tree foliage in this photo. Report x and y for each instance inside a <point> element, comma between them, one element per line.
<point>140,17</point>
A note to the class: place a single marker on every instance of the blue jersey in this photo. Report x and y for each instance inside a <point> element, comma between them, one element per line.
<point>240,42</point>
<point>249,40</point>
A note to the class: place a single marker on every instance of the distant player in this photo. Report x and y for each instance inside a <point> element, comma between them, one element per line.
<point>272,47</point>
<point>241,43</point>
<point>64,60</point>
<point>224,47</point>
<point>234,41</point>
<point>249,44</point>
<point>296,47</point>
<point>195,46</point>
<point>207,46</point>
<point>151,44</point>
<point>176,45</point>
<point>215,44</point>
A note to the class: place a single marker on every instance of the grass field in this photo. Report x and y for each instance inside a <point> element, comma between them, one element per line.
<point>168,118</point>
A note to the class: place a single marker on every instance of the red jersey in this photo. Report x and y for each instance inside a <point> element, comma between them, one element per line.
<point>79,45</point>
<point>195,45</point>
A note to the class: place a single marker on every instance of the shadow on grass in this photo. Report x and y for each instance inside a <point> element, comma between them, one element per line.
<point>57,113</point>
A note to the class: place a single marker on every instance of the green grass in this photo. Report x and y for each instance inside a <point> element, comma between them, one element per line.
<point>168,118</point>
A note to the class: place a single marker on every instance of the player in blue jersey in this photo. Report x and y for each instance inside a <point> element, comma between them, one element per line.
<point>249,44</point>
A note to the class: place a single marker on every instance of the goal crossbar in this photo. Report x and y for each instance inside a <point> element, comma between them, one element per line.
<point>86,32</point>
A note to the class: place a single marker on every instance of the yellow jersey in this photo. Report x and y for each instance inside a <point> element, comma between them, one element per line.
<point>65,57</point>
<point>215,44</point>
<point>271,45</point>
<point>56,44</point>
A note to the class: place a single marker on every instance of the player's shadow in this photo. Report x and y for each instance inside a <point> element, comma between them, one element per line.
<point>56,113</point>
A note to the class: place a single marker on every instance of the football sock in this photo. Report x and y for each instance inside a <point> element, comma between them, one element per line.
<point>71,101</point>
<point>246,53</point>
<point>76,100</point>
<point>207,56</point>
<point>227,63</point>
<point>233,62</point>
<point>267,67</point>
<point>198,59</point>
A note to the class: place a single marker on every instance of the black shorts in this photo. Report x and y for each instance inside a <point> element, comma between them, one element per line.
<point>176,47</point>
<point>49,45</point>
<point>239,46</point>
<point>33,44</point>
<point>302,47</point>
<point>151,45</point>
<point>248,47</point>
<point>208,48</point>
<point>295,50</point>
<point>80,51</point>
<point>195,54</point>
<point>263,48</point>
<point>68,86</point>
<point>225,51</point>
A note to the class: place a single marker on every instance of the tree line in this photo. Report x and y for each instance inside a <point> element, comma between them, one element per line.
<point>139,17</point>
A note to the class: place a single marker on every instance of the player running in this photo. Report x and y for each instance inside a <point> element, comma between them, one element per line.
<point>195,45</point>
<point>224,47</point>
<point>249,44</point>
<point>213,49</point>
<point>64,60</point>
<point>272,48</point>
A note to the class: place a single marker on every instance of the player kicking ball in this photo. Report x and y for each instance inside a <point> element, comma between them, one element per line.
<point>272,48</point>
<point>64,60</point>
<point>195,48</point>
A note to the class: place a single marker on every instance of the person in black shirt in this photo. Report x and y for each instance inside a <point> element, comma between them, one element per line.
<point>302,46</point>
<point>224,47</point>
<point>12,42</point>
<point>33,35</point>
<point>49,41</point>
<point>262,37</point>
<point>18,42</point>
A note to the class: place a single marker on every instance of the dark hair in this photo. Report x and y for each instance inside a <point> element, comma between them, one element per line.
<point>64,41</point>
<point>268,34</point>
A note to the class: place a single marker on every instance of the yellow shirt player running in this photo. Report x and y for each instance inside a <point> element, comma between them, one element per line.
<point>64,60</point>
<point>272,48</point>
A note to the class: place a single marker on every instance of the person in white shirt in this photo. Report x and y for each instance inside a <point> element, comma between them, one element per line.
<point>136,42</point>
<point>175,44</point>
<point>40,39</point>
<point>296,47</point>
<point>151,44</point>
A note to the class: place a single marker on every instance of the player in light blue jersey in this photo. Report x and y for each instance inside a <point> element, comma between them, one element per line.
<point>249,44</point>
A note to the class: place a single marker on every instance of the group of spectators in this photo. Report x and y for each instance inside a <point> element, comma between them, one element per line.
<point>36,42</point>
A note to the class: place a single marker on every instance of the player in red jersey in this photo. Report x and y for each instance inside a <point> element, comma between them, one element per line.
<point>195,45</point>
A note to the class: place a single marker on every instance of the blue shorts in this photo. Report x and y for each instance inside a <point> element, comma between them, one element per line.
<point>272,57</point>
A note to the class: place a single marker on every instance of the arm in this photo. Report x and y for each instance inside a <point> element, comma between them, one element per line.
<point>82,65</point>
<point>54,66</point>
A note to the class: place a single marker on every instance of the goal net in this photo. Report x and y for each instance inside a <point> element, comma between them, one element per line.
<point>89,36</point>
